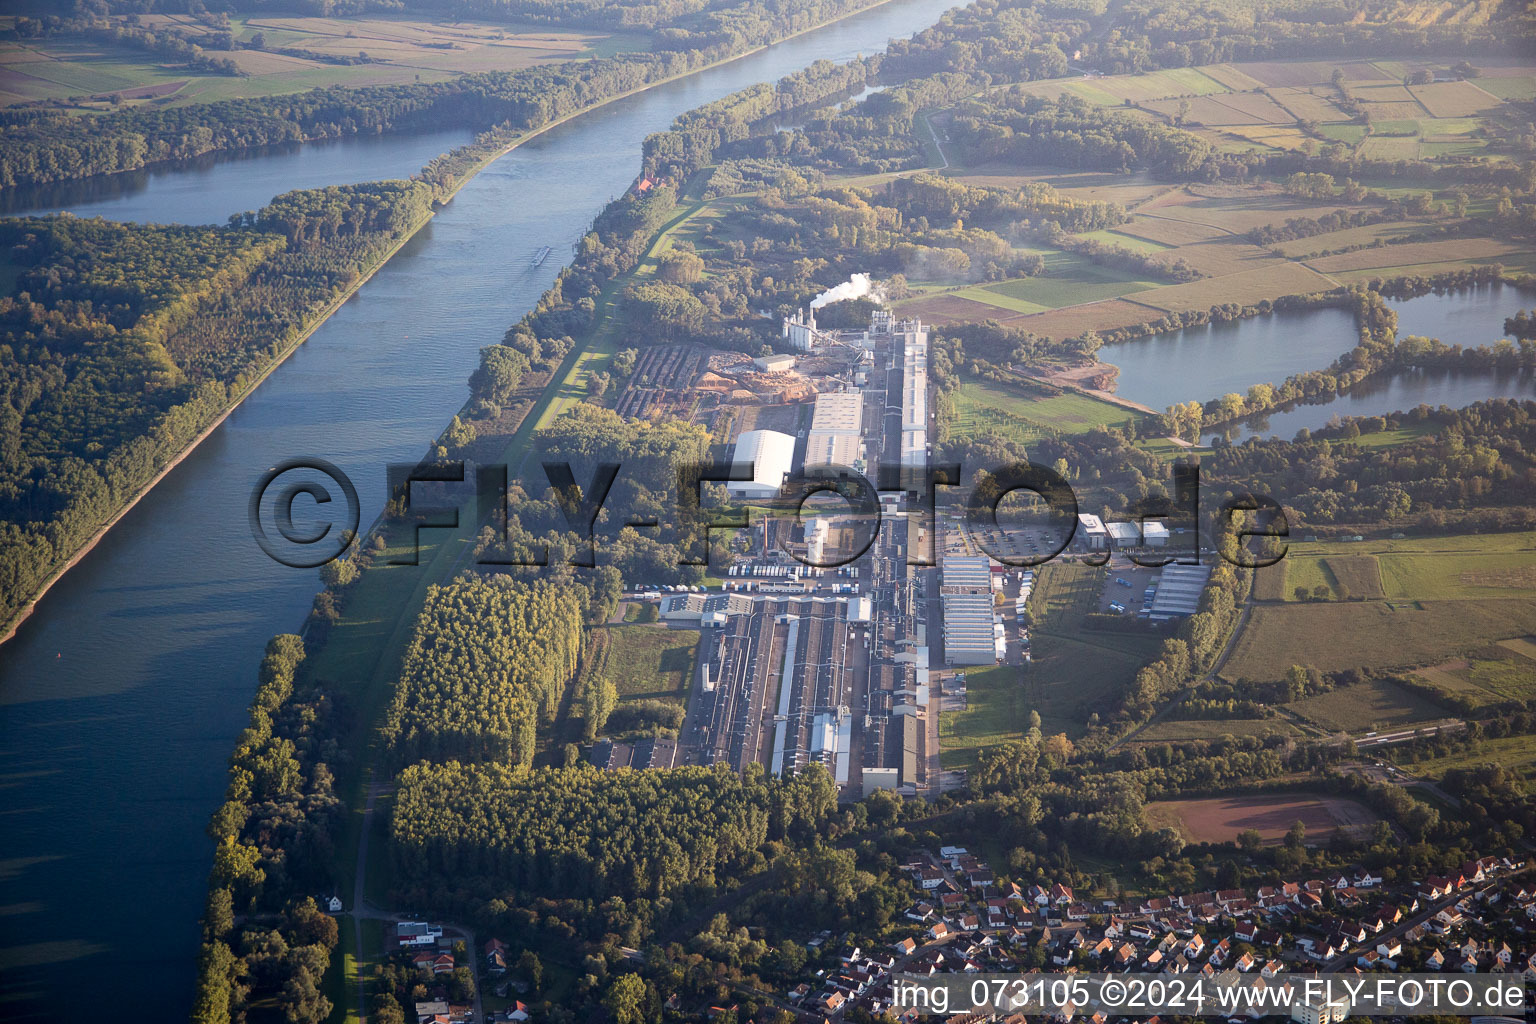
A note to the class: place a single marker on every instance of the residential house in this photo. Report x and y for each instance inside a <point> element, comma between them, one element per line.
<point>437,963</point>
<point>495,956</point>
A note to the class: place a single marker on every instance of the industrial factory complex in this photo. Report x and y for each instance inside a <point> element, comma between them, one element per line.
<point>805,658</point>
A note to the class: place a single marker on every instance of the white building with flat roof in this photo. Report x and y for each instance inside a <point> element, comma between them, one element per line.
<point>776,362</point>
<point>914,393</point>
<point>1091,532</point>
<point>970,621</point>
<point>1148,533</point>
<point>1179,589</point>
<point>836,429</point>
<point>771,455</point>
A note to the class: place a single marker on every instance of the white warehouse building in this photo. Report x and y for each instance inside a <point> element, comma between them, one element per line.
<point>836,429</point>
<point>771,455</point>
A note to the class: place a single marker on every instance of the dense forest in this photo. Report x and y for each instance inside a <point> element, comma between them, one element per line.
<point>119,343</point>
<point>489,661</point>
<point>578,832</point>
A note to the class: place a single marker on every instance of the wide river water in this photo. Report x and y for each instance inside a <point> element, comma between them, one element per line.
<point>1201,363</point>
<point>121,696</point>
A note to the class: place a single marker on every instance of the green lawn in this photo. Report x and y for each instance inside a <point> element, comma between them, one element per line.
<point>1163,448</point>
<point>1389,438</point>
<point>650,661</point>
<point>1020,410</point>
<point>997,711</point>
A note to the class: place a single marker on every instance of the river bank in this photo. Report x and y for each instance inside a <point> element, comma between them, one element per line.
<point>9,627</point>
<point>123,693</point>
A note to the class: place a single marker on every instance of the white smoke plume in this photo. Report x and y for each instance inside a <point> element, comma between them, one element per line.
<point>858,286</point>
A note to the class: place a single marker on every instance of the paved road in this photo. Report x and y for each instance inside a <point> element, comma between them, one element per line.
<point>1347,960</point>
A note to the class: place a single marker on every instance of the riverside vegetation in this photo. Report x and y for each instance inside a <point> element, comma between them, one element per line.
<point>551,853</point>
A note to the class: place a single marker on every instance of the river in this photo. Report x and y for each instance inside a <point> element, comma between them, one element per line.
<point>1201,363</point>
<point>207,190</point>
<point>121,696</point>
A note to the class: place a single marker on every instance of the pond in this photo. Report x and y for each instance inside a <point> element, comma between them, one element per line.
<point>1201,363</point>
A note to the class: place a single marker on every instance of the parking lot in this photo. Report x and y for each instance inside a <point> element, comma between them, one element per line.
<point>1131,592</point>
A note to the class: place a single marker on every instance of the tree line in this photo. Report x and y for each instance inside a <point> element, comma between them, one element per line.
<point>273,838</point>
<point>583,833</point>
<point>44,146</point>
<point>119,343</point>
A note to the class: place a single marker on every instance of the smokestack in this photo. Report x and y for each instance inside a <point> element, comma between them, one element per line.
<point>856,287</point>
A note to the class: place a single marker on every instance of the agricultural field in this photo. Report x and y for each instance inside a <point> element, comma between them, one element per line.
<point>1110,236</point>
<point>1170,232</point>
<point>1272,582</point>
<point>1260,105</point>
<point>1220,819</point>
<point>400,50</point>
<point>1345,576</point>
<point>1234,209</point>
<point>1375,705</point>
<point>1102,186</point>
<point>1416,601</point>
<point>1407,254</point>
<point>1069,280</point>
<point>1502,671</point>
<point>1098,316</point>
<point>1371,634</point>
<point>1248,287</point>
<point>1301,248</point>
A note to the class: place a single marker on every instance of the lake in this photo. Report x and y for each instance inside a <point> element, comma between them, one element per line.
<point>1201,363</point>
